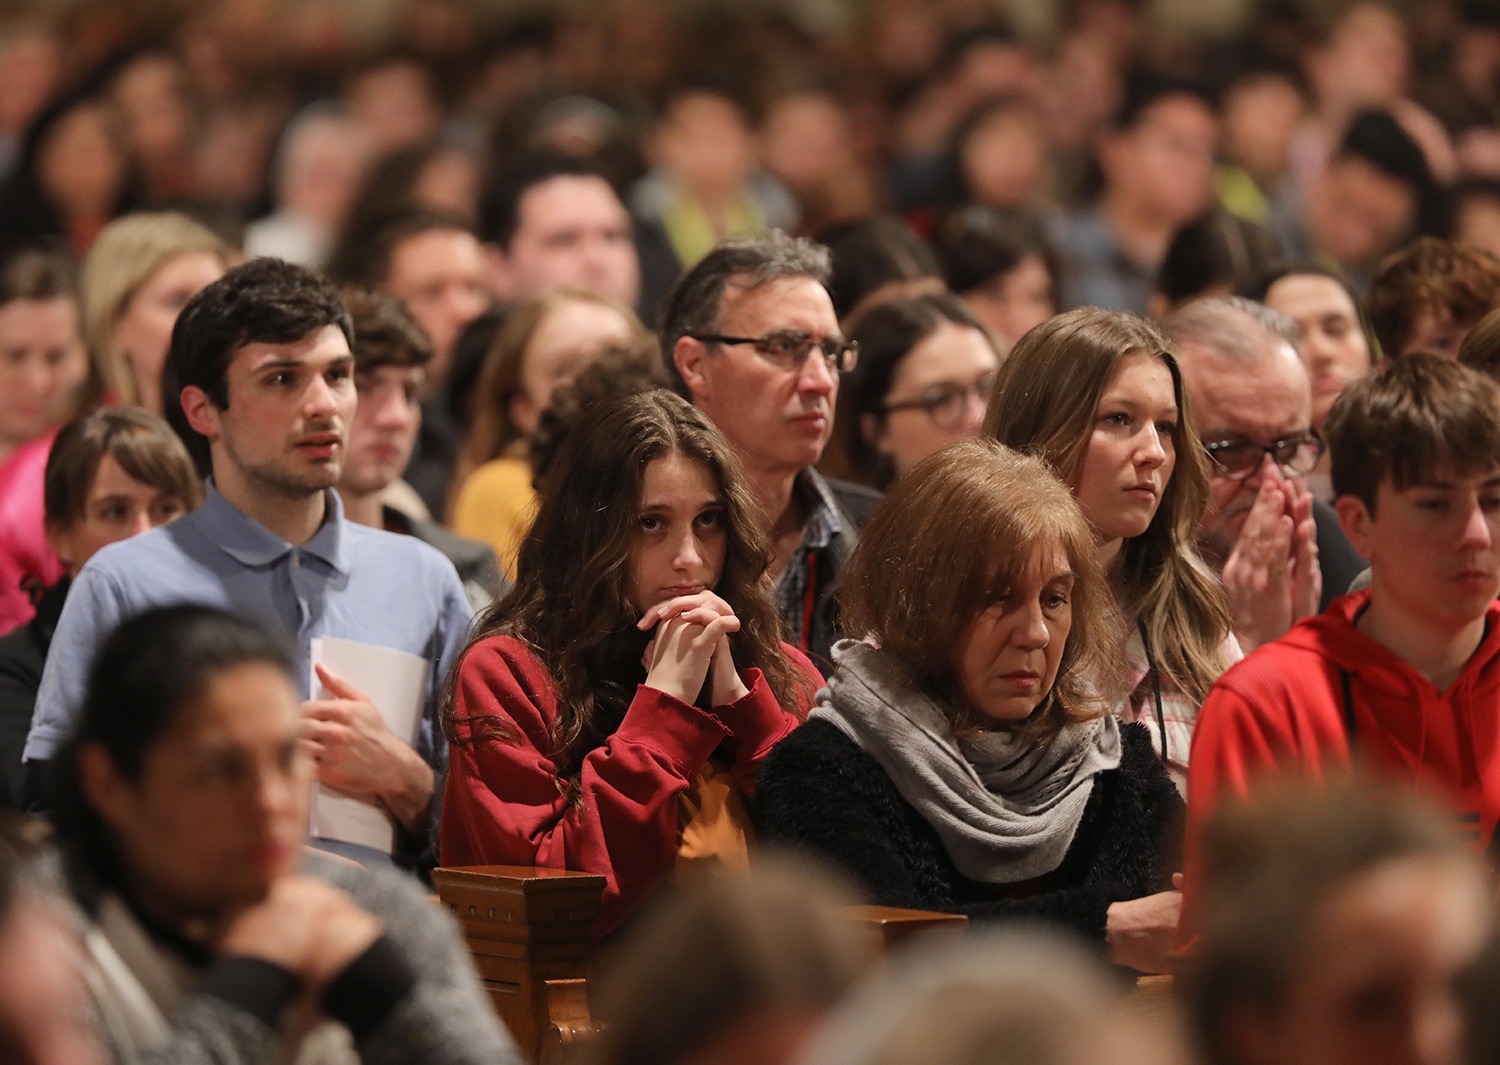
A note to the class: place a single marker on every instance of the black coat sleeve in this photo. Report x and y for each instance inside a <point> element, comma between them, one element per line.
<point>820,793</point>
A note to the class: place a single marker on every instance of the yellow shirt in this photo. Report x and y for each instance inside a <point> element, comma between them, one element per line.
<point>497,505</point>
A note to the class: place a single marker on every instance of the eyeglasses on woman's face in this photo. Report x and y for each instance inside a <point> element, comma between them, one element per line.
<point>947,402</point>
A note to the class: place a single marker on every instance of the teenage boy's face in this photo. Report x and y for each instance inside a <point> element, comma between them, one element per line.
<point>286,428</point>
<point>1434,548</point>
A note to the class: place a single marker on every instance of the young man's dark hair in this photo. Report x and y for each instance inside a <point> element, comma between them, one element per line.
<point>500,206</point>
<point>385,332</point>
<point>1411,420</point>
<point>263,301</point>
<point>1453,284</point>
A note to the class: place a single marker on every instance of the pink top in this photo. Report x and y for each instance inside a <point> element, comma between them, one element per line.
<point>23,543</point>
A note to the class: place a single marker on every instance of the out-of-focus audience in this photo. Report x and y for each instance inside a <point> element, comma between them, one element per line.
<point>545,342</point>
<point>45,378</point>
<point>848,230</point>
<point>1336,927</point>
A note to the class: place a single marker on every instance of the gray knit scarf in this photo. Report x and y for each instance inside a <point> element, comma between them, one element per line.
<point>1005,809</point>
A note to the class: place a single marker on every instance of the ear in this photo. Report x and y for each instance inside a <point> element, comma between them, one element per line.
<point>1357,522</point>
<point>60,539</point>
<point>201,412</point>
<point>497,272</point>
<point>523,413</point>
<point>104,788</point>
<point>691,357</point>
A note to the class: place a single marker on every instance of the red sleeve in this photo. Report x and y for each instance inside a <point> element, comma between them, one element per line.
<point>504,804</point>
<point>1243,736</point>
<point>759,723</point>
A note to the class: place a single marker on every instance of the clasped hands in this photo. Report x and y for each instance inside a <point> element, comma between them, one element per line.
<point>691,647</point>
<point>1272,576</point>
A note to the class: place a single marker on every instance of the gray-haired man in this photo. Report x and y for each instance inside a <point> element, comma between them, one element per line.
<point>750,336</point>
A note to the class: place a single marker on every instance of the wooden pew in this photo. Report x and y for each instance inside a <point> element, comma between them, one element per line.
<point>529,930</point>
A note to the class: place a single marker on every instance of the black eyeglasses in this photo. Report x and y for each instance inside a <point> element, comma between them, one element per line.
<point>788,349</point>
<point>946,403</point>
<point>1296,455</point>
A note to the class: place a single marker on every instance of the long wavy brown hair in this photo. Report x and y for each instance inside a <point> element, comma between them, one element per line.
<point>1045,402</point>
<point>569,603</point>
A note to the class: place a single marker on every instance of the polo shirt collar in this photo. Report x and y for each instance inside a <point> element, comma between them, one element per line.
<point>250,543</point>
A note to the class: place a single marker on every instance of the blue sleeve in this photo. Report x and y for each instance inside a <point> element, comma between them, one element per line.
<point>454,620</point>
<point>95,605</point>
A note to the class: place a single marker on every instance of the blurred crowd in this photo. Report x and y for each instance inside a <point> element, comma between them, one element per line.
<point>973,454</point>
<point>1342,129</point>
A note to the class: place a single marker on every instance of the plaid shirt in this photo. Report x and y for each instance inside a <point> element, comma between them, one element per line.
<point>822,525</point>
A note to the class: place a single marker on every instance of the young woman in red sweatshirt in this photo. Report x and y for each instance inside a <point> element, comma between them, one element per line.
<point>610,713</point>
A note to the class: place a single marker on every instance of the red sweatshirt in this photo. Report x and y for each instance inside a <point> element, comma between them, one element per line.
<point>1283,708</point>
<point>504,803</point>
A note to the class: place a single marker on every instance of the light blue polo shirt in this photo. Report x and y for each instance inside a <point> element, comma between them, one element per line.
<point>349,581</point>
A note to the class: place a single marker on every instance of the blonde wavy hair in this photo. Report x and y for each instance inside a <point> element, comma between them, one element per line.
<point>128,251</point>
<point>1045,402</point>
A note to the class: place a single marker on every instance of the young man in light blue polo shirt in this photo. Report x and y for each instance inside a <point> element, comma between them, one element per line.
<point>260,383</point>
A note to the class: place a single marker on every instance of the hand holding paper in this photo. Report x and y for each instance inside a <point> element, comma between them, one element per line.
<point>356,754</point>
<point>360,727</point>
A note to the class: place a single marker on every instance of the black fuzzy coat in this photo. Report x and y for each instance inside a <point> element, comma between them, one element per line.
<point>820,793</point>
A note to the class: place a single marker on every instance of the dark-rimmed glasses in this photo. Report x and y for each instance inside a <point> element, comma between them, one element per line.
<point>946,403</point>
<point>787,349</point>
<point>1238,459</point>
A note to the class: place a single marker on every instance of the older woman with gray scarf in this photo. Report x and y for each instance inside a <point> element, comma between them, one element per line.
<point>962,757</point>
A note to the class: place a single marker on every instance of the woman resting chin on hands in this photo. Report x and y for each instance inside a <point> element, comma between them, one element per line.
<point>609,715</point>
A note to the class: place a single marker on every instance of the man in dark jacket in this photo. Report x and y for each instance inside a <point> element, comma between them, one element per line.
<point>750,336</point>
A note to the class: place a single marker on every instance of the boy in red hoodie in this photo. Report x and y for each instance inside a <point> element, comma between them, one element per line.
<point>1401,681</point>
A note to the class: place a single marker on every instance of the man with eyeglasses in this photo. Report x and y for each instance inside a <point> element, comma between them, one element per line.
<point>1400,681</point>
<point>1280,554</point>
<point>749,335</point>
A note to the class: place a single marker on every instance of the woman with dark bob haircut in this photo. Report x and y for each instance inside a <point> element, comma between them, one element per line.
<point>963,757</point>
<point>610,713</point>
<point>213,932</point>
<point>1099,396</point>
<point>925,370</point>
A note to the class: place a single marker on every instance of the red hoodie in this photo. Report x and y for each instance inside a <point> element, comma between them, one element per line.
<point>1283,708</point>
<point>505,803</point>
